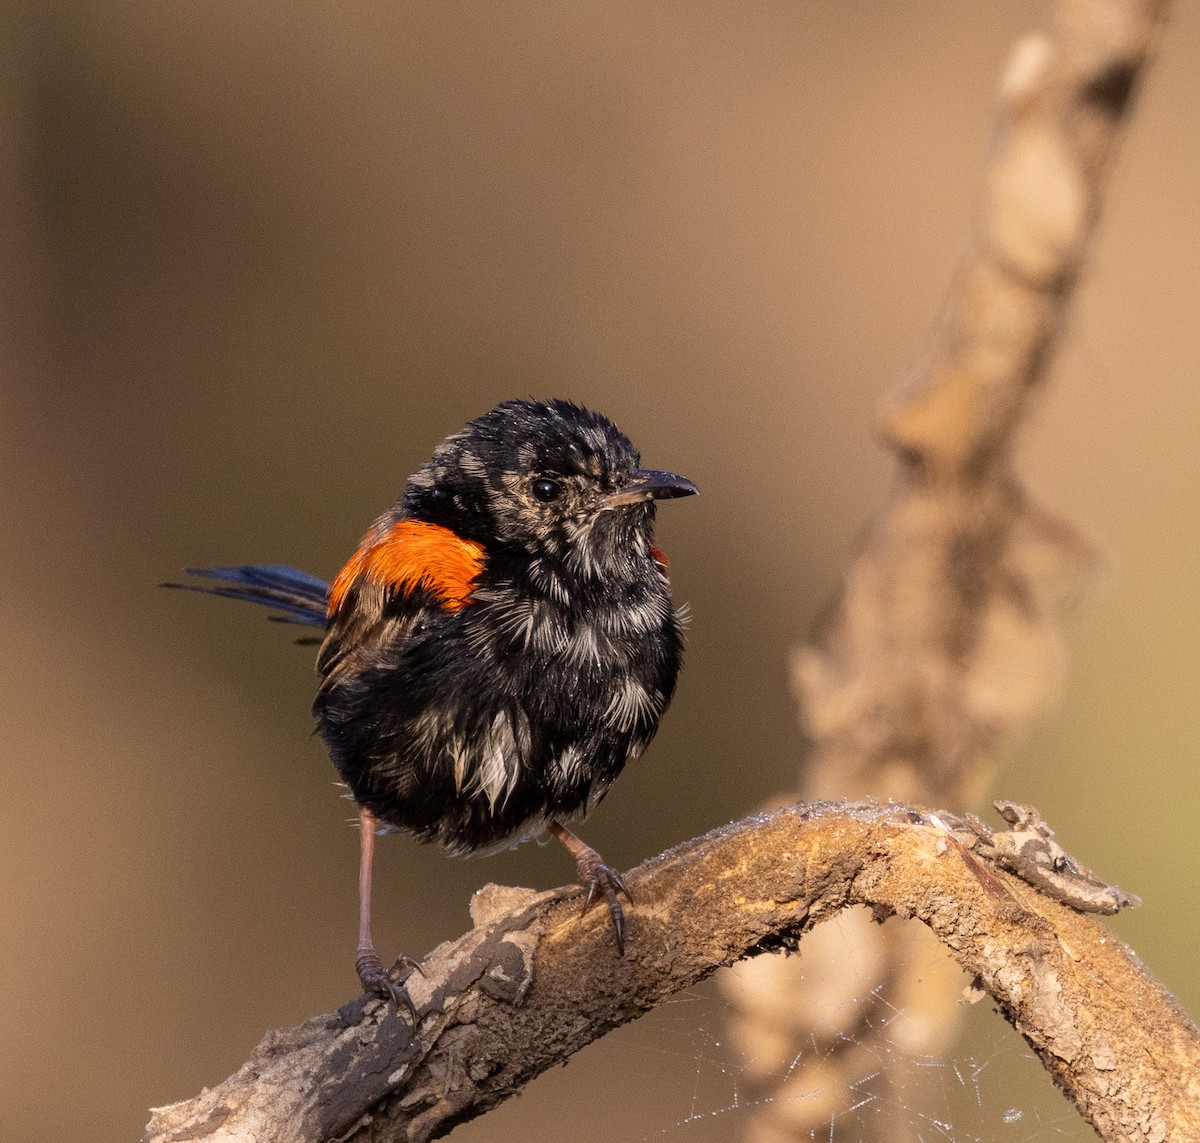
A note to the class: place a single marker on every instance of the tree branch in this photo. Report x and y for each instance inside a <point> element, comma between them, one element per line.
<point>531,983</point>
<point>945,637</point>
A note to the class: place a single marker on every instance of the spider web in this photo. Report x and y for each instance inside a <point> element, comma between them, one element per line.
<point>674,1077</point>
<point>991,1087</point>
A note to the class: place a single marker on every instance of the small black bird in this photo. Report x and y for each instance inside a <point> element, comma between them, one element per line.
<point>502,642</point>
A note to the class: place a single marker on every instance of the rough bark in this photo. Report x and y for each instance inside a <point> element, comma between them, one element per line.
<point>532,983</point>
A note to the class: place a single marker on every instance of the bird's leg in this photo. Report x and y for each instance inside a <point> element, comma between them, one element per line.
<point>596,878</point>
<point>371,973</point>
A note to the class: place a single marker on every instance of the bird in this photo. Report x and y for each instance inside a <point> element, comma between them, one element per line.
<point>499,645</point>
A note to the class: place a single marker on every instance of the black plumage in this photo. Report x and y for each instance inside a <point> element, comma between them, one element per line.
<point>502,643</point>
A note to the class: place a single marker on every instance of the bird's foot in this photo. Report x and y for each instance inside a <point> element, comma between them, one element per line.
<point>599,880</point>
<point>388,984</point>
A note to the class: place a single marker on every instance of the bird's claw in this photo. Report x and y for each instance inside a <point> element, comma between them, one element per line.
<point>402,962</point>
<point>387,984</point>
<point>598,879</point>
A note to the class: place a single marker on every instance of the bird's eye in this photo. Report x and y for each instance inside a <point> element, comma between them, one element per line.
<point>545,489</point>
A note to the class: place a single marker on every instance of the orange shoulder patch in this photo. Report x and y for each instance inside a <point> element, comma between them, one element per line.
<point>659,556</point>
<point>411,554</point>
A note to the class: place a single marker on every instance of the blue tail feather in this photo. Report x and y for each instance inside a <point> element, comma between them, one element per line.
<point>296,595</point>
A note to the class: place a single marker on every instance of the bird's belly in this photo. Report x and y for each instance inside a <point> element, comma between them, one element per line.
<point>478,740</point>
<point>474,773</point>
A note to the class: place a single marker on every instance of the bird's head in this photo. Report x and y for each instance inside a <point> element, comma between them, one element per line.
<point>549,479</point>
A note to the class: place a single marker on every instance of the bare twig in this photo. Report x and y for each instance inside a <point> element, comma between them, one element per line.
<point>531,983</point>
<point>945,638</point>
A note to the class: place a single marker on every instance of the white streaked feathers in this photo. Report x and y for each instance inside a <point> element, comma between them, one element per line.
<point>571,763</point>
<point>543,625</point>
<point>492,766</point>
<point>632,704</point>
<point>530,623</point>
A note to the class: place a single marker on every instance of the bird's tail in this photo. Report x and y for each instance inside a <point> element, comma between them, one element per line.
<point>295,596</point>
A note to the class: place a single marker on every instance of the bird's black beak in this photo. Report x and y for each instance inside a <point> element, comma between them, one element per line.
<point>648,484</point>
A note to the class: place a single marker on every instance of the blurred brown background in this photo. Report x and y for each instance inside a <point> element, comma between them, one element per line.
<point>257,260</point>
